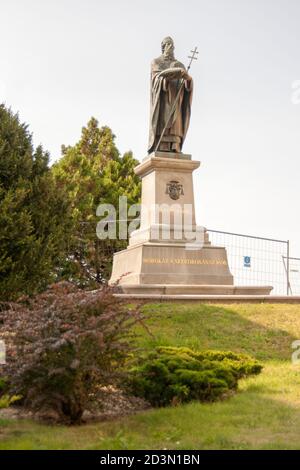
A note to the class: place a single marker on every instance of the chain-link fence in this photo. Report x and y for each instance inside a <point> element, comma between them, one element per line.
<point>257,261</point>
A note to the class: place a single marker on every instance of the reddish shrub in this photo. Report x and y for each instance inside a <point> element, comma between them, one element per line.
<point>65,343</point>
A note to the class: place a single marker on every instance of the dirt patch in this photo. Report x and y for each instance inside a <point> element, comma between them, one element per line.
<point>109,404</point>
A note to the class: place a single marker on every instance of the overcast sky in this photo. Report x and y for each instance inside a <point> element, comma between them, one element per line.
<point>63,61</point>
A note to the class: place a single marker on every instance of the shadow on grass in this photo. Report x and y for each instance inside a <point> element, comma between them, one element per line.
<point>215,327</point>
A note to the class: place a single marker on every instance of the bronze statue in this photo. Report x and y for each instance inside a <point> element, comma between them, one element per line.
<point>171,99</point>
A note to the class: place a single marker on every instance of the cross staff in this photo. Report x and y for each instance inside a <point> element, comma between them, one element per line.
<point>192,57</point>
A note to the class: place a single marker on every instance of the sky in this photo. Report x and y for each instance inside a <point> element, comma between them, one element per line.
<point>63,61</point>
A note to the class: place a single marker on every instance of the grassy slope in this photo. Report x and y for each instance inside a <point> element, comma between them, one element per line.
<point>264,414</point>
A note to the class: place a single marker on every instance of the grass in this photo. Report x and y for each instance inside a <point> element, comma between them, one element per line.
<point>264,414</point>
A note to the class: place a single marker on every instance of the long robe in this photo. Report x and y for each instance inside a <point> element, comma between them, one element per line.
<point>163,94</point>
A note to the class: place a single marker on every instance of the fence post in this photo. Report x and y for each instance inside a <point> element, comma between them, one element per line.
<point>288,268</point>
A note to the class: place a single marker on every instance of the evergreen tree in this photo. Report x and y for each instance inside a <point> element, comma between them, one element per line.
<point>93,172</point>
<point>34,220</point>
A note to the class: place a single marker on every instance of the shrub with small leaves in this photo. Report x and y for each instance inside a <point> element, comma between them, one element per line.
<point>170,375</point>
<point>64,344</point>
<point>5,399</point>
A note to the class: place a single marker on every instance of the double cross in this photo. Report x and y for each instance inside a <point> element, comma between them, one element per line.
<point>192,57</point>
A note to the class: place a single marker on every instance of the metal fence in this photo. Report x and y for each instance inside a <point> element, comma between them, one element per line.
<point>252,260</point>
<point>292,265</point>
<point>259,261</point>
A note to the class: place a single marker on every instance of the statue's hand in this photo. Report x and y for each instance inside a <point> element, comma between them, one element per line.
<point>175,73</point>
<point>172,73</point>
<point>185,75</point>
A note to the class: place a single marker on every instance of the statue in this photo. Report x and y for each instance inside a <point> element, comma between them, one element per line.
<point>171,99</point>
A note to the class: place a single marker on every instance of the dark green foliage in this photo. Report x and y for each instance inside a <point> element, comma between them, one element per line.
<point>48,216</point>
<point>3,384</point>
<point>171,375</point>
<point>93,172</point>
<point>34,222</point>
<point>63,345</point>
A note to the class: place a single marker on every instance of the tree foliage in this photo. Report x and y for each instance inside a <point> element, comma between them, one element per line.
<point>93,172</point>
<point>34,221</point>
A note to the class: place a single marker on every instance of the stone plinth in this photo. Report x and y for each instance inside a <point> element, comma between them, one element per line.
<point>166,182</point>
<point>168,264</point>
<point>169,254</point>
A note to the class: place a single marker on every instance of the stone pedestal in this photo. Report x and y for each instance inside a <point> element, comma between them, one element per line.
<point>169,253</point>
<point>171,264</point>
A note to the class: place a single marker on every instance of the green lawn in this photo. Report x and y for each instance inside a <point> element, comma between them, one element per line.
<point>264,414</point>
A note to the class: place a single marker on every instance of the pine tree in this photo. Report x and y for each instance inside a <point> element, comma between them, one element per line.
<point>93,172</point>
<point>34,212</point>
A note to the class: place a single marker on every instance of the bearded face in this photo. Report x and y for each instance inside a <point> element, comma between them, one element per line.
<point>167,47</point>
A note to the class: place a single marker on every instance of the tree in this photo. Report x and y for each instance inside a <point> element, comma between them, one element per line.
<point>34,212</point>
<point>93,173</point>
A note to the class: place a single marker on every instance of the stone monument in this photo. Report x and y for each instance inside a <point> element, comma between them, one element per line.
<point>169,254</point>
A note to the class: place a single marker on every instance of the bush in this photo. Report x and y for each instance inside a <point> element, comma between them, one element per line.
<point>63,345</point>
<point>171,375</point>
<point>6,400</point>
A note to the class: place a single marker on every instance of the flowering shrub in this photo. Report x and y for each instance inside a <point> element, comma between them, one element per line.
<point>64,344</point>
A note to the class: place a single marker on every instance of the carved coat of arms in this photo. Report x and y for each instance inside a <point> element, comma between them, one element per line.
<point>174,189</point>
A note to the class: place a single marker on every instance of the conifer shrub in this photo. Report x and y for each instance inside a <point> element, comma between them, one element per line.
<point>170,375</point>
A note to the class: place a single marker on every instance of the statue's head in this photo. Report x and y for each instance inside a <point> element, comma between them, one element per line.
<point>167,46</point>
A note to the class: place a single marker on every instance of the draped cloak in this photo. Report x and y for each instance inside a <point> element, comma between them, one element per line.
<point>163,94</point>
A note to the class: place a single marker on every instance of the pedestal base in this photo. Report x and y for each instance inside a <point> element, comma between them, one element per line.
<point>184,291</point>
<point>170,263</point>
<point>152,266</point>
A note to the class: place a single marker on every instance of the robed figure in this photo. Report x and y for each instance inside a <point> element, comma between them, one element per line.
<point>168,76</point>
